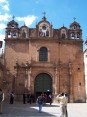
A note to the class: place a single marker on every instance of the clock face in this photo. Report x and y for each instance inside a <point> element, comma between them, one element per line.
<point>44,30</point>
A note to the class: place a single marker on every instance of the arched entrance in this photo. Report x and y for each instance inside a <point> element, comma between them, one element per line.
<point>43,84</point>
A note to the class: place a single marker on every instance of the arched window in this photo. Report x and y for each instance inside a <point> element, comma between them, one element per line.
<point>43,54</point>
<point>9,34</point>
<point>24,34</point>
<point>74,27</point>
<point>72,35</point>
<point>63,36</point>
<point>14,34</point>
<point>78,35</point>
<point>63,33</point>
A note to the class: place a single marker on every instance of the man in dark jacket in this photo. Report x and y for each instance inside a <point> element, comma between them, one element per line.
<point>40,102</point>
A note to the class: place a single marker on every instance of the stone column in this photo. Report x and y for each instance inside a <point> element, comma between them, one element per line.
<point>70,84</point>
<point>56,81</point>
<point>29,80</point>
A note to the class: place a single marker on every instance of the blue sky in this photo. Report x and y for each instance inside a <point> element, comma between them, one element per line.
<point>58,12</point>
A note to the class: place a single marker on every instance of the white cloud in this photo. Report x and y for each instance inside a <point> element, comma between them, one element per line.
<point>1,1</point>
<point>4,4</point>
<point>5,17</point>
<point>2,26</point>
<point>4,1</point>
<point>6,7</point>
<point>28,20</point>
<point>2,37</point>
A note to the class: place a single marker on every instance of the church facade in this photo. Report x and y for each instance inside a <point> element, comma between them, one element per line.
<point>45,60</point>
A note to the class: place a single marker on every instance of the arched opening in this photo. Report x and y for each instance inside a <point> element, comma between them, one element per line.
<point>43,84</point>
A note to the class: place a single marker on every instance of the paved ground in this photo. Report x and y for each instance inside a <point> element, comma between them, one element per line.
<point>18,109</point>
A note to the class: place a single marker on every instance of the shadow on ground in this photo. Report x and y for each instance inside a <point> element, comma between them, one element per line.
<point>18,109</point>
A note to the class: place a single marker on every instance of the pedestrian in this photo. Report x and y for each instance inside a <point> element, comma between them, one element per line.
<point>61,98</point>
<point>1,100</point>
<point>44,99</point>
<point>40,102</point>
<point>11,97</point>
<point>66,104</point>
<point>30,98</point>
<point>50,99</point>
<point>24,98</point>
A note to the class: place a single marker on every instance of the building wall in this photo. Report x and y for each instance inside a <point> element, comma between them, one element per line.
<point>22,52</point>
<point>85,66</point>
<point>64,65</point>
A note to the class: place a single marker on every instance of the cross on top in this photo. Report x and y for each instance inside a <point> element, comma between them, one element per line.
<point>74,18</point>
<point>13,17</point>
<point>44,13</point>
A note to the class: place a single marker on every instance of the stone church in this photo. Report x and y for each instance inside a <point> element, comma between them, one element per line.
<point>44,60</point>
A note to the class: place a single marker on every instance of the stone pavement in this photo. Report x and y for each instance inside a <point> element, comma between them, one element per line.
<point>18,109</point>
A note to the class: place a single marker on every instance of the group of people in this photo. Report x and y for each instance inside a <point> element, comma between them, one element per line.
<point>29,98</point>
<point>61,98</point>
<point>2,99</point>
<point>26,98</point>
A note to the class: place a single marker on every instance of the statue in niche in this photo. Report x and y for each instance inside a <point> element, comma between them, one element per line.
<point>24,34</point>
<point>33,33</point>
<point>14,34</point>
<point>44,31</point>
<point>47,33</point>
<point>40,32</point>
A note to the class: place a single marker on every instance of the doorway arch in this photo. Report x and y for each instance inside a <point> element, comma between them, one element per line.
<point>43,84</point>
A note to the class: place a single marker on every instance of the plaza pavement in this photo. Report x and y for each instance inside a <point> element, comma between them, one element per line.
<point>18,109</point>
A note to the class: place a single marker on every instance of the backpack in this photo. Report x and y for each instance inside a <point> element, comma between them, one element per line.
<point>40,100</point>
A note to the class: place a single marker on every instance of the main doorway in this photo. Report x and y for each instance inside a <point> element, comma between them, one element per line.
<point>43,84</point>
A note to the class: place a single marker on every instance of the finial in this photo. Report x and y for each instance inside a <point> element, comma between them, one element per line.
<point>24,24</point>
<point>74,18</point>
<point>13,17</point>
<point>44,18</point>
<point>44,13</point>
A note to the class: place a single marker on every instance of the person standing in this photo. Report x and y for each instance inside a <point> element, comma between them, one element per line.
<point>66,95</point>
<point>50,99</point>
<point>11,97</point>
<point>61,98</point>
<point>1,100</point>
<point>40,102</point>
<point>24,98</point>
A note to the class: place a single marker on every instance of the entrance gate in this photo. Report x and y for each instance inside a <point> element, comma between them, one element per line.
<point>43,84</point>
